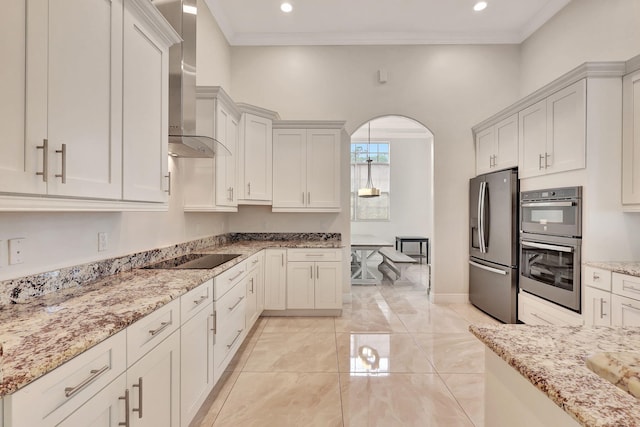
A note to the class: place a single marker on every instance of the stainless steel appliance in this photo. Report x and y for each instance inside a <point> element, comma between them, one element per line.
<point>193,261</point>
<point>550,243</point>
<point>493,244</point>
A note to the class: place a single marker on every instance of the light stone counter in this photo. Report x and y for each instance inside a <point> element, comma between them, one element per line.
<point>553,360</point>
<point>42,332</point>
<point>632,268</point>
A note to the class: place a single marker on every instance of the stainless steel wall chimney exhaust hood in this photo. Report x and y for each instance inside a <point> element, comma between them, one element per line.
<point>183,141</point>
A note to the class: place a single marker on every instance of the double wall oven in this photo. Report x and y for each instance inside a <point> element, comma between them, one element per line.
<point>550,241</point>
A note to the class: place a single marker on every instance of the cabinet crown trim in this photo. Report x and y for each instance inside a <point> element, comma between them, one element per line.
<point>217,92</point>
<point>148,13</point>
<point>610,69</point>
<point>258,111</point>
<point>308,124</point>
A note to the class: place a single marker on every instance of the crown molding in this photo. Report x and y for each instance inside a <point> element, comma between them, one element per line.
<point>218,93</point>
<point>258,111</point>
<point>308,124</point>
<point>151,16</point>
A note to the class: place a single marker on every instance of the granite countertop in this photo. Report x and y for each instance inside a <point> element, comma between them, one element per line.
<point>632,268</point>
<point>552,358</point>
<point>41,334</point>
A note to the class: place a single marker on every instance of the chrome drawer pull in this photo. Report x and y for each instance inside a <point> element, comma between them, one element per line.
<point>541,318</point>
<point>231,279</point>
<point>255,261</point>
<point>45,160</point>
<point>602,301</point>
<point>162,327</point>
<point>631,307</point>
<point>63,175</point>
<point>235,339</point>
<point>202,299</point>
<point>168,190</point>
<point>596,276</point>
<point>95,373</point>
<point>126,408</point>
<point>314,255</point>
<point>139,408</point>
<point>236,304</point>
<point>630,288</point>
<point>252,285</point>
<point>215,322</point>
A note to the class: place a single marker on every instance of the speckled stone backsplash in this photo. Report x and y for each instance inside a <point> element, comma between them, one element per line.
<point>20,290</point>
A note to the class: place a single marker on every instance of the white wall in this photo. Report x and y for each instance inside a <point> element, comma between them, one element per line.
<point>585,30</point>
<point>446,88</point>
<point>213,53</point>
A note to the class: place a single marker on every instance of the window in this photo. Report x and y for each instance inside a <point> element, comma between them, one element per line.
<point>374,208</point>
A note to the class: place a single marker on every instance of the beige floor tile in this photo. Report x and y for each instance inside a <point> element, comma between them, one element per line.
<point>379,353</point>
<point>437,319</point>
<point>294,352</point>
<point>282,400</point>
<point>453,353</point>
<point>299,324</point>
<point>399,400</point>
<point>468,389</point>
<point>212,406</point>
<point>472,314</point>
<point>379,321</point>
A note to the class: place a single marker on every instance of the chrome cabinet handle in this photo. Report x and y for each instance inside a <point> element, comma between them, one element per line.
<point>231,279</point>
<point>232,194</point>
<point>602,301</point>
<point>255,261</point>
<point>215,322</point>
<point>168,176</point>
<point>95,373</point>
<point>63,175</point>
<point>317,271</point>
<point>631,307</point>
<point>248,189</point>
<point>596,276</point>
<point>546,160</point>
<point>282,256</point>
<point>630,288</point>
<point>126,409</point>
<point>235,339</point>
<point>236,304</point>
<point>311,271</point>
<point>160,328</point>
<point>541,318</point>
<point>303,197</point>
<point>309,197</point>
<point>139,408</point>
<point>251,285</point>
<point>45,160</point>
<point>202,299</point>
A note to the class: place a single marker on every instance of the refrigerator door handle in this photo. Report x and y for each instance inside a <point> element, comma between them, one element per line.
<point>491,269</point>
<point>481,219</point>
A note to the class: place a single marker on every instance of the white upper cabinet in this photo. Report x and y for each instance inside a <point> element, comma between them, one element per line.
<point>552,132</point>
<point>630,139</point>
<point>255,155</point>
<point>306,166</point>
<point>497,146</point>
<point>65,76</point>
<point>211,184</point>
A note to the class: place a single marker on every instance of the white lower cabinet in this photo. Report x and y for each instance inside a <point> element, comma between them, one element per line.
<point>275,279</point>
<point>536,311</point>
<point>314,284</point>
<point>597,307</point>
<point>611,299</point>
<point>105,409</point>
<point>254,284</point>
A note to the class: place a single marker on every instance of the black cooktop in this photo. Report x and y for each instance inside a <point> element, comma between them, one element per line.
<point>193,261</point>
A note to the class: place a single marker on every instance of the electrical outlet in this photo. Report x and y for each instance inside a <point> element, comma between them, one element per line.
<point>16,251</point>
<point>103,242</point>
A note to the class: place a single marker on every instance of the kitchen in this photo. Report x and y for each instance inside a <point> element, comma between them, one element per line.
<point>452,88</point>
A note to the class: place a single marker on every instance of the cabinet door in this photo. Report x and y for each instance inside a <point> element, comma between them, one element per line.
<point>328,285</point>
<point>105,409</point>
<point>251,287</point>
<point>597,307</point>
<point>300,281</point>
<point>275,279</point>
<point>199,174</point>
<point>566,128</point>
<point>532,140</point>
<point>196,363</point>
<point>20,159</point>
<point>289,168</point>
<point>323,168</point>
<point>83,94</point>
<point>506,143</point>
<point>625,311</point>
<point>145,120</point>
<point>484,150</point>
<point>226,133</point>
<point>154,384</point>
<point>630,139</point>
<point>256,158</point>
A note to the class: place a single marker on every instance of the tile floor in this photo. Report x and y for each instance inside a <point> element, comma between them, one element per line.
<point>392,359</point>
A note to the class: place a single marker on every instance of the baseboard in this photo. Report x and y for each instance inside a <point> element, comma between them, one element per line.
<point>449,298</point>
<point>303,313</point>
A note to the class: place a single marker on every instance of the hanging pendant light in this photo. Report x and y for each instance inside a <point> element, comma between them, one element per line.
<point>369,190</point>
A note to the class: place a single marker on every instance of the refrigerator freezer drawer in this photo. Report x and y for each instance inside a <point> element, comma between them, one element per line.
<point>493,289</point>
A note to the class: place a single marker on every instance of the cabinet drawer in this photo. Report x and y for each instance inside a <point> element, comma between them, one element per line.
<point>53,397</point>
<point>597,278</point>
<point>627,286</point>
<point>314,254</point>
<point>534,311</point>
<point>625,311</point>
<point>225,281</point>
<point>232,302</point>
<point>149,331</point>
<point>255,260</point>
<point>195,300</point>
<point>229,336</point>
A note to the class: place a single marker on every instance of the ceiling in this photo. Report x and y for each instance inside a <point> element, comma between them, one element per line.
<point>380,22</point>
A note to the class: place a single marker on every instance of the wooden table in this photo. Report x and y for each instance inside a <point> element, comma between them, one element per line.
<point>363,247</point>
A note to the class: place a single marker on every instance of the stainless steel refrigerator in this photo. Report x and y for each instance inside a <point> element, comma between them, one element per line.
<point>493,244</point>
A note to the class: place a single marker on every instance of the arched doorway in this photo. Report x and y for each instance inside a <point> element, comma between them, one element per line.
<point>401,150</point>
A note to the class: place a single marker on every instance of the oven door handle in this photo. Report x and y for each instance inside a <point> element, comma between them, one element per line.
<point>491,269</point>
<point>547,204</point>
<point>546,246</point>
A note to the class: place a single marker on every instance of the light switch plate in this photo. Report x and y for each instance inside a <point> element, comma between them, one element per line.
<point>103,242</point>
<point>16,251</point>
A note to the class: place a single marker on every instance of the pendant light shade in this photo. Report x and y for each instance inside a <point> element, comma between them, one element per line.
<point>369,190</point>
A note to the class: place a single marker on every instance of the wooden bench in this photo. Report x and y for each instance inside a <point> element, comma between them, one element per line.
<point>396,262</point>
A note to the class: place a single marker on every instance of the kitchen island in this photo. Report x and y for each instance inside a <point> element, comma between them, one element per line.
<point>536,376</point>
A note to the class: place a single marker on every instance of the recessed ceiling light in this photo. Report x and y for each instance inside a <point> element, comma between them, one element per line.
<point>481,5</point>
<point>286,7</point>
